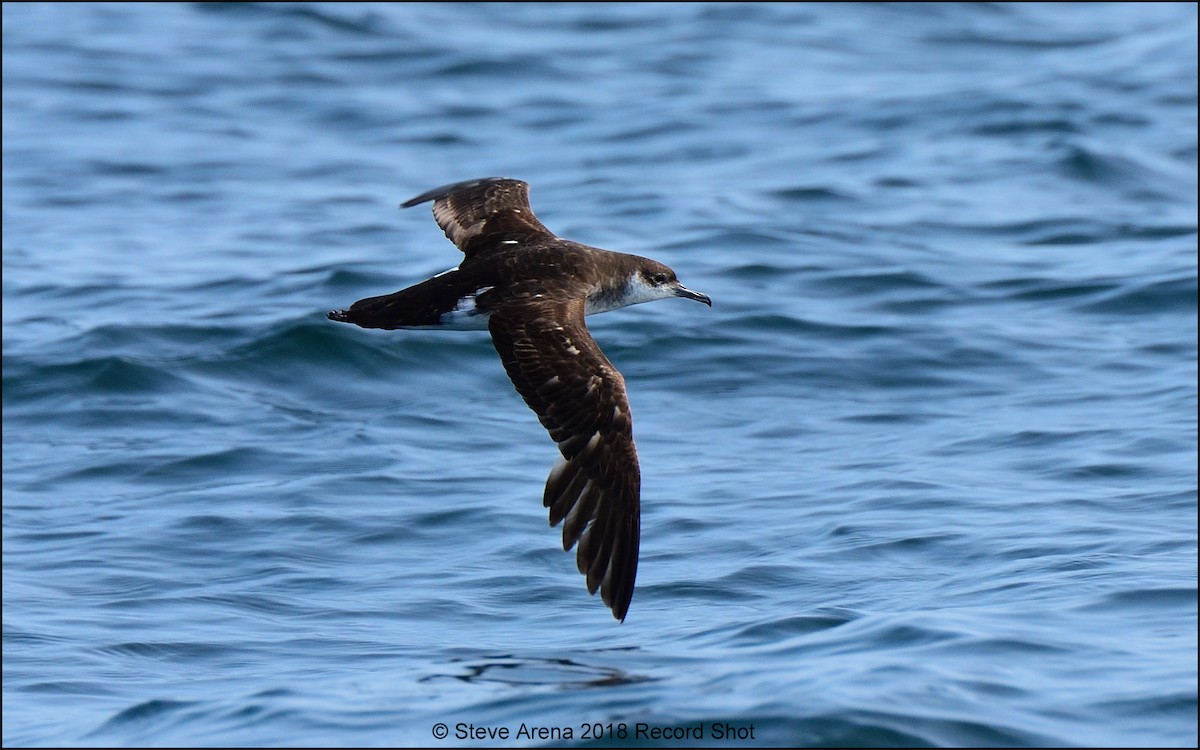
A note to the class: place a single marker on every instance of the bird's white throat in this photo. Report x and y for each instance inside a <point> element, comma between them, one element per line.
<point>635,291</point>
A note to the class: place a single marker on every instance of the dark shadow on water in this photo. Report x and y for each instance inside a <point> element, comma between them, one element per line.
<point>523,672</point>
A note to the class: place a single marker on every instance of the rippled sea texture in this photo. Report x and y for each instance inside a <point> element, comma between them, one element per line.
<point>924,474</point>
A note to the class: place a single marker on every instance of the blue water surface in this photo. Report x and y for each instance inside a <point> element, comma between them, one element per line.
<point>924,475</point>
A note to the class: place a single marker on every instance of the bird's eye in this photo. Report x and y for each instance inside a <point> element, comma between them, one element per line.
<point>659,279</point>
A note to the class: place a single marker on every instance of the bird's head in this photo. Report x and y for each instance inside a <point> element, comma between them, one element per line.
<point>654,280</point>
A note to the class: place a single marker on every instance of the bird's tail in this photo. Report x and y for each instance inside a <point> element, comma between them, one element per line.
<point>421,306</point>
<point>388,311</point>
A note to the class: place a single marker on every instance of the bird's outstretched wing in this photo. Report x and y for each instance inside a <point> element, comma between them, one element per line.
<point>480,215</point>
<point>580,398</point>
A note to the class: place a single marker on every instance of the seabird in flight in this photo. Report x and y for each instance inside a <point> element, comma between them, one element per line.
<point>531,290</point>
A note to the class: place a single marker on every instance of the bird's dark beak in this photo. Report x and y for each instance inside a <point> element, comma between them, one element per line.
<point>683,291</point>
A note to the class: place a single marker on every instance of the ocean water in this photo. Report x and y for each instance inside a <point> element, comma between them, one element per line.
<point>924,475</point>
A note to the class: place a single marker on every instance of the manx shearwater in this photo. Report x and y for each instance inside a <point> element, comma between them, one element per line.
<point>532,290</point>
